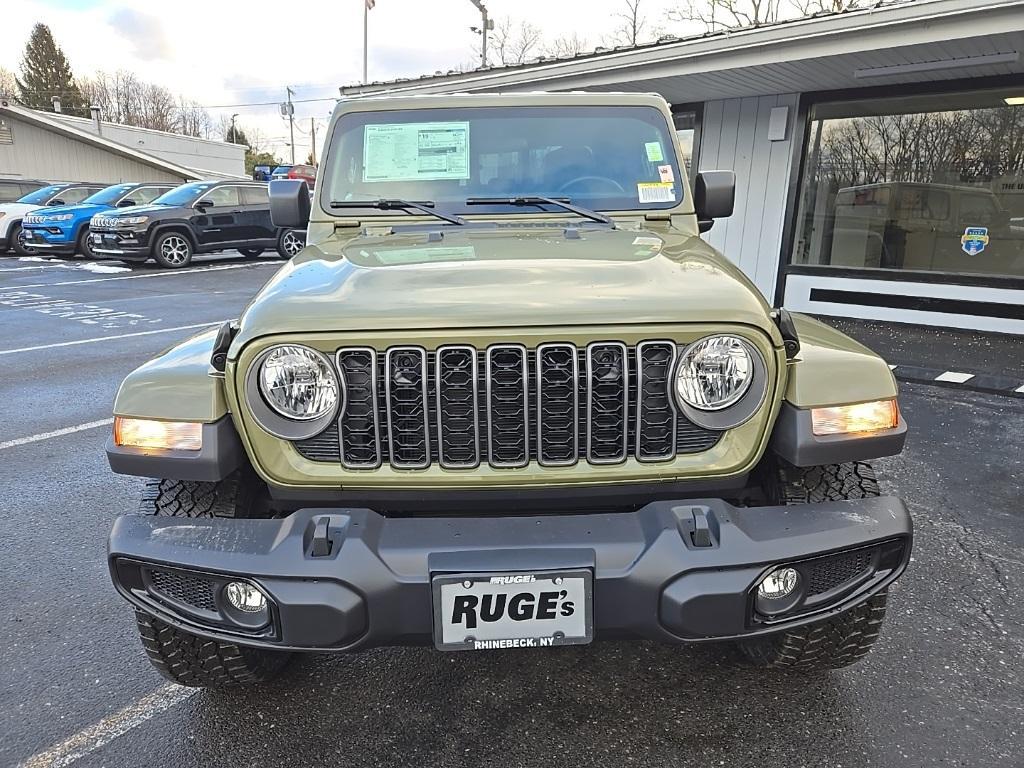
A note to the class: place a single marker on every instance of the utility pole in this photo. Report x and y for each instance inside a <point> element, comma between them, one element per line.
<point>232,139</point>
<point>291,121</point>
<point>312,141</point>
<point>485,26</point>
<point>367,7</point>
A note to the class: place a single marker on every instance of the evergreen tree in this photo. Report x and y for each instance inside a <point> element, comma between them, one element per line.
<point>45,73</point>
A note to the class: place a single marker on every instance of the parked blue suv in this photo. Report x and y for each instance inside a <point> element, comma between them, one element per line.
<point>65,229</point>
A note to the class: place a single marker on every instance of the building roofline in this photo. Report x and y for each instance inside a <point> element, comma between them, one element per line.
<point>809,30</point>
<point>41,120</point>
<point>75,118</point>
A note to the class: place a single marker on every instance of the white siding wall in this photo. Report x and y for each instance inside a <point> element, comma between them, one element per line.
<point>734,137</point>
<point>41,154</point>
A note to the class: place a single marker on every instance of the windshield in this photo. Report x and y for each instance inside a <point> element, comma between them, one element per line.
<point>108,196</point>
<point>40,196</point>
<point>183,195</point>
<point>602,158</point>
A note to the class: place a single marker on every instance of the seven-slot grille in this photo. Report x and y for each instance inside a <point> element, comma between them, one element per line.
<point>506,406</point>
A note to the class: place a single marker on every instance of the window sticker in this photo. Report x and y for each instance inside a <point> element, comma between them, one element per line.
<point>666,173</point>
<point>655,154</point>
<point>391,256</point>
<point>416,152</point>
<point>974,241</point>
<point>656,192</point>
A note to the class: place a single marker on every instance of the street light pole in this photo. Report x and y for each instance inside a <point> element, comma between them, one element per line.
<point>291,121</point>
<point>233,138</point>
<point>485,26</point>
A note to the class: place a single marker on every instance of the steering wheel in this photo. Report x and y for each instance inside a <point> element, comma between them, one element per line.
<point>602,179</point>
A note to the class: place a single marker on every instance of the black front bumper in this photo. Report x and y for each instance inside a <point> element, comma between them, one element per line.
<point>122,243</point>
<point>344,579</point>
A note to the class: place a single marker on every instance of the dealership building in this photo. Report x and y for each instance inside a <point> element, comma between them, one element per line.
<point>59,147</point>
<point>879,152</point>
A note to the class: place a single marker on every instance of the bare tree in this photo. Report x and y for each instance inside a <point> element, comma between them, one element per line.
<point>633,27</point>
<point>515,44</point>
<point>567,45</point>
<point>8,83</point>
<point>123,98</point>
<point>191,119</point>
<point>715,15</point>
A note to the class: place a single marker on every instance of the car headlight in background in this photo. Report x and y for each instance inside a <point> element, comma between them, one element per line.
<point>130,220</point>
<point>298,382</point>
<point>150,433</point>
<point>861,418</point>
<point>714,373</point>
<point>58,217</point>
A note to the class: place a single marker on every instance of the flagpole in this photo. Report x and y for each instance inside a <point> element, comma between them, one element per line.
<point>366,36</point>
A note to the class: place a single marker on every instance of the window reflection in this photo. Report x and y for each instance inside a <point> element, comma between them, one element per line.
<point>933,183</point>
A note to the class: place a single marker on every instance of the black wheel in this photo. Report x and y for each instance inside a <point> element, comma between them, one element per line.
<point>250,253</point>
<point>173,250</point>
<point>83,245</point>
<point>17,244</point>
<point>291,242</point>
<point>842,640</point>
<point>180,656</point>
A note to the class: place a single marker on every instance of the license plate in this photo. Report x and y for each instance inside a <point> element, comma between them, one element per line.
<point>97,239</point>
<point>538,609</point>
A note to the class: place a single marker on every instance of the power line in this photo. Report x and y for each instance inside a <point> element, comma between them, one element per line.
<point>266,103</point>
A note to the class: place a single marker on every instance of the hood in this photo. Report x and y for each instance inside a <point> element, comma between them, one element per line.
<point>78,209</point>
<point>505,276</point>
<point>135,210</point>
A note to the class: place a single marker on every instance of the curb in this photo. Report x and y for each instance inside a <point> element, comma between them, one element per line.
<point>1007,386</point>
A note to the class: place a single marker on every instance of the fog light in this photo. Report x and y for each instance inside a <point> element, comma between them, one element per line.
<point>245,597</point>
<point>778,584</point>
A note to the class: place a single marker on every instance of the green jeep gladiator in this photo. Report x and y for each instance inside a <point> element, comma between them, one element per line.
<point>506,397</point>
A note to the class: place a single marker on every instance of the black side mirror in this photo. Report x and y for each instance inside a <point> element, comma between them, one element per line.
<point>56,202</point>
<point>126,204</point>
<point>714,197</point>
<point>202,205</point>
<point>289,203</point>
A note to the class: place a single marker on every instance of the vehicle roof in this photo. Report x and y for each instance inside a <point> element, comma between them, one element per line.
<point>535,99</point>
<point>924,184</point>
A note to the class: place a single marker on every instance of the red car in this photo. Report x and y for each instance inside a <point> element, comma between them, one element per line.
<point>305,172</point>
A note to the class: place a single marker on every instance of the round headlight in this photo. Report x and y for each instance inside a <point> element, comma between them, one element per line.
<point>714,373</point>
<point>298,382</point>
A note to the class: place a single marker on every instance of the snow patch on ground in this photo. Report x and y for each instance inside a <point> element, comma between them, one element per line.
<point>104,269</point>
<point>33,258</point>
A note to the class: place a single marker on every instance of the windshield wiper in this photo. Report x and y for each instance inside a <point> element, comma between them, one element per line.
<point>522,200</point>
<point>424,206</point>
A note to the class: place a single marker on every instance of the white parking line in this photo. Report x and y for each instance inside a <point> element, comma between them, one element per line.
<point>100,734</point>
<point>167,273</point>
<point>55,433</point>
<point>111,338</point>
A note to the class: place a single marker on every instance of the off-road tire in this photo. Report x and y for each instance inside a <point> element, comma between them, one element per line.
<point>250,253</point>
<point>842,640</point>
<point>186,659</point>
<point>180,656</point>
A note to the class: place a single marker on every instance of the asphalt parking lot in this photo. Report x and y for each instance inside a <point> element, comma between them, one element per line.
<point>944,686</point>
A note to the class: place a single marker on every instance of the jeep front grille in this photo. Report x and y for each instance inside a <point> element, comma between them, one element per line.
<point>506,406</point>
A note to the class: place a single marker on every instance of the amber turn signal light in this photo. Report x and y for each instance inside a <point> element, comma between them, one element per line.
<point>150,433</point>
<point>859,419</point>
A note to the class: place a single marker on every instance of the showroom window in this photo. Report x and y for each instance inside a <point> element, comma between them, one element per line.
<point>931,183</point>
<point>687,125</point>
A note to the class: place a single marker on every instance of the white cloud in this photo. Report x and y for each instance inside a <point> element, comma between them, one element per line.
<point>221,53</point>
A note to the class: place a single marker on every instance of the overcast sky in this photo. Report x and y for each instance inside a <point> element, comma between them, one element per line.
<point>230,53</point>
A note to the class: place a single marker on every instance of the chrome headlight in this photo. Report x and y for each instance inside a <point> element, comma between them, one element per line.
<point>298,382</point>
<point>59,217</point>
<point>714,373</point>
<point>129,220</point>
<point>720,381</point>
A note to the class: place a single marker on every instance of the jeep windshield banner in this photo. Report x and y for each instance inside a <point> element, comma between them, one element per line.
<point>416,152</point>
